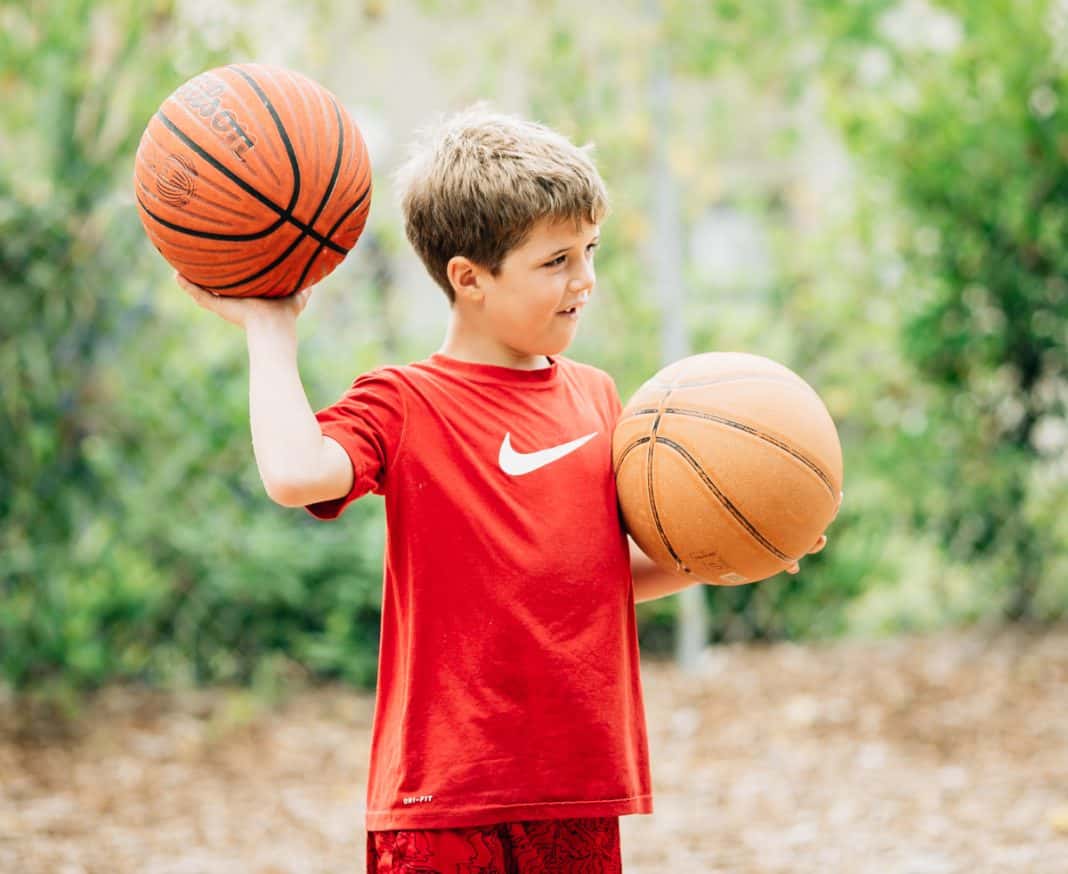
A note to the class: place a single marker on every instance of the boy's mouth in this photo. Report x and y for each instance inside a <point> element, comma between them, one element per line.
<point>574,310</point>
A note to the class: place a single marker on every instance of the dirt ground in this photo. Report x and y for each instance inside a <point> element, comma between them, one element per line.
<point>919,756</point>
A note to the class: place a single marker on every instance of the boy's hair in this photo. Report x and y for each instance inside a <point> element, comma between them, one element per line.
<point>475,183</point>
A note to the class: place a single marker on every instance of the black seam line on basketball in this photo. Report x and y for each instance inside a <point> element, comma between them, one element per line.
<point>208,235</point>
<point>641,441</point>
<point>318,211</point>
<point>294,164</point>
<point>237,180</point>
<point>749,429</point>
<point>255,235</point>
<point>327,242</point>
<point>337,224</point>
<point>653,440</point>
<point>346,213</point>
<point>733,510</point>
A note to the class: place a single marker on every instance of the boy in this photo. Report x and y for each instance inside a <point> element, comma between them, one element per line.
<point>509,730</point>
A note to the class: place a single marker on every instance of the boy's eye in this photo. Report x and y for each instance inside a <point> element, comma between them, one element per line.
<point>560,259</point>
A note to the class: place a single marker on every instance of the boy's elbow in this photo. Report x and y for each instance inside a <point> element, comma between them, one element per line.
<point>284,493</point>
<point>289,490</point>
<point>327,478</point>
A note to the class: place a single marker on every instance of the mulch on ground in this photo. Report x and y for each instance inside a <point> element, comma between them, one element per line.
<point>915,755</point>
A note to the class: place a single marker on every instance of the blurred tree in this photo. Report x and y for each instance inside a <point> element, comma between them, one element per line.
<point>961,107</point>
<point>135,538</point>
<point>77,79</point>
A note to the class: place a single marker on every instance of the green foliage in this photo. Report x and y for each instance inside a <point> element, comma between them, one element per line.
<point>976,154</point>
<point>135,539</point>
<point>77,84</point>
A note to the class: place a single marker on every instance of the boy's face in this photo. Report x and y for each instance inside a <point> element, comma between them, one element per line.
<point>533,305</point>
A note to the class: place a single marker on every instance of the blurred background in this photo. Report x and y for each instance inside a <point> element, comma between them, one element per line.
<point>873,192</point>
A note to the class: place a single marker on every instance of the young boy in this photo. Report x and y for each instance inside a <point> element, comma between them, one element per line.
<point>509,731</point>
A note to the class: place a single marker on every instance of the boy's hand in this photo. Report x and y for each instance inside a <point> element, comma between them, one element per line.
<point>240,310</point>
<point>822,542</point>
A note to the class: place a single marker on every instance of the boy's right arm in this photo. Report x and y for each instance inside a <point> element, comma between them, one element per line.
<point>297,464</point>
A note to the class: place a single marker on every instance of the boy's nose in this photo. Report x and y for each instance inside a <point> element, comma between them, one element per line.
<point>582,284</point>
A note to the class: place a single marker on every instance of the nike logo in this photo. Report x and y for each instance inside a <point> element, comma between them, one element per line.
<point>518,463</point>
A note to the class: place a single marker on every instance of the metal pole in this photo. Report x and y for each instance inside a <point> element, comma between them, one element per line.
<point>692,615</point>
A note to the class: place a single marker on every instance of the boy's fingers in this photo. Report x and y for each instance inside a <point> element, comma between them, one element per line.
<point>186,285</point>
<point>193,289</point>
<point>796,566</point>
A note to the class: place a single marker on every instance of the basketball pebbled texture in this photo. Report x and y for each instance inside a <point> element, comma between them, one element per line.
<point>253,180</point>
<point>728,467</point>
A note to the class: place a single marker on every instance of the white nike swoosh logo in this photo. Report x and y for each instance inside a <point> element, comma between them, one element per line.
<point>518,463</point>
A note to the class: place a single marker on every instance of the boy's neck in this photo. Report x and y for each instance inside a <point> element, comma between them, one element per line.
<point>465,345</point>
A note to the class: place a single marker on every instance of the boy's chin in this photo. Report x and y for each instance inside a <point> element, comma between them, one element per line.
<point>554,349</point>
<point>547,346</point>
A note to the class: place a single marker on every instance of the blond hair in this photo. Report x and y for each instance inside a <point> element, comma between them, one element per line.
<point>475,183</point>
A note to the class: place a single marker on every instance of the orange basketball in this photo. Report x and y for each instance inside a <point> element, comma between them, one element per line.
<point>728,467</point>
<point>253,181</point>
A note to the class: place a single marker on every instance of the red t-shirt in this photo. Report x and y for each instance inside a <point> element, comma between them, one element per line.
<point>508,680</point>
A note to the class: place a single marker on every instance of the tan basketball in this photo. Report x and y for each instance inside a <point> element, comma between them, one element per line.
<point>728,467</point>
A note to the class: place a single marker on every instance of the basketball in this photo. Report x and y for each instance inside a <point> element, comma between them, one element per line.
<point>252,181</point>
<point>727,466</point>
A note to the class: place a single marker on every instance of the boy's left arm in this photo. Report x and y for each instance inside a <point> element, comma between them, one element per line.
<point>651,581</point>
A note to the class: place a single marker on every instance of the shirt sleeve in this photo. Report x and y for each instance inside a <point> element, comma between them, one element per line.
<point>368,422</point>
<point>615,405</point>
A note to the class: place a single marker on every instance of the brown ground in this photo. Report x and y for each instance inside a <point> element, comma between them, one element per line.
<point>919,756</point>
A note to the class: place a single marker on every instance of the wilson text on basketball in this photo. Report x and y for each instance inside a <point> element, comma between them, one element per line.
<point>206,100</point>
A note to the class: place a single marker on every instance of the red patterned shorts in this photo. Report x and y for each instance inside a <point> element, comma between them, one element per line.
<point>551,846</point>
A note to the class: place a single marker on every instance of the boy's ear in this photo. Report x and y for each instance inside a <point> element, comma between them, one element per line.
<point>465,276</point>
